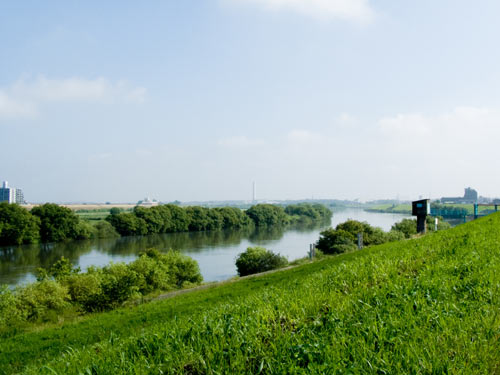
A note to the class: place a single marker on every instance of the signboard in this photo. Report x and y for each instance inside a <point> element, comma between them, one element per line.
<point>421,207</point>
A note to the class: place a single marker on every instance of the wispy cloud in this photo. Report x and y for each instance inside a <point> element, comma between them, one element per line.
<point>358,11</point>
<point>240,142</point>
<point>26,97</point>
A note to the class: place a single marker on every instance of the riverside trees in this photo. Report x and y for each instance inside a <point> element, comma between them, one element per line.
<point>54,223</point>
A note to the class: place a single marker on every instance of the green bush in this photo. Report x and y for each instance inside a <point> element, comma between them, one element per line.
<point>408,227</point>
<point>103,229</point>
<point>85,291</point>
<point>37,300</point>
<point>336,241</point>
<point>9,312</point>
<point>258,259</point>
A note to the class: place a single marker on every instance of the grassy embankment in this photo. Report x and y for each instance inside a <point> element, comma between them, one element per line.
<point>427,305</point>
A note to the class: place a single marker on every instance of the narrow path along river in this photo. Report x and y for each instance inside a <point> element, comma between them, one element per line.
<point>215,252</point>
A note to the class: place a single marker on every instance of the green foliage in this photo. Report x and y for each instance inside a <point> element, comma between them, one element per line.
<point>61,286</point>
<point>104,229</point>
<point>17,225</point>
<point>267,214</point>
<point>406,226</point>
<point>115,211</point>
<point>36,301</point>
<point>58,271</point>
<point>307,213</point>
<point>258,259</point>
<point>128,224</point>
<point>423,306</point>
<point>336,241</point>
<point>10,315</point>
<point>57,223</point>
<point>344,237</point>
<point>233,218</point>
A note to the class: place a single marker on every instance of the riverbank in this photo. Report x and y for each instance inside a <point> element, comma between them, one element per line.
<point>368,311</point>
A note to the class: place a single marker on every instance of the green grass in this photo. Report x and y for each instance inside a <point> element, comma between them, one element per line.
<point>92,215</point>
<point>389,208</point>
<point>425,306</point>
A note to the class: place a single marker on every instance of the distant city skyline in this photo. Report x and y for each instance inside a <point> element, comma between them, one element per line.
<point>195,100</point>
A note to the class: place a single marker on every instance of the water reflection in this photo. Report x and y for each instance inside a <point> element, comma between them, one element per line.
<point>214,251</point>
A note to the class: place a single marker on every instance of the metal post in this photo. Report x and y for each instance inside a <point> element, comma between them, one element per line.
<point>360,241</point>
<point>421,224</point>
<point>436,222</point>
<point>476,211</point>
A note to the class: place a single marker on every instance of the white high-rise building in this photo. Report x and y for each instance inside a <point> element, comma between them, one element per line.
<point>11,195</point>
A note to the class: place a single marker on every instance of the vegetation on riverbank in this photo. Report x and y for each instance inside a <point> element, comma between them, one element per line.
<point>54,223</point>
<point>63,290</point>
<point>425,305</point>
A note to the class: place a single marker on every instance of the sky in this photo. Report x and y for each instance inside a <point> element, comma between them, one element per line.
<point>194,100</point>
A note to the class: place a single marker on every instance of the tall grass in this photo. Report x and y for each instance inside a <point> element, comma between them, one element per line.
<point>423,306</point>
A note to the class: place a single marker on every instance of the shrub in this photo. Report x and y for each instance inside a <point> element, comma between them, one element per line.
<point>103,229</point>
<point>258,259</point>
<point>408,227</point>
<point>9,312</point>
<point>85,291</point>
<point>37,300</point>
<point>336,241</point>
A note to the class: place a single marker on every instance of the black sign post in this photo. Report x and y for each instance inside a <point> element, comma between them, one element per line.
<point>421,209</point>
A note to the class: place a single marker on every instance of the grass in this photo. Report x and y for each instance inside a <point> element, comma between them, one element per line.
<point>426,306</point>
<point>390,208</point>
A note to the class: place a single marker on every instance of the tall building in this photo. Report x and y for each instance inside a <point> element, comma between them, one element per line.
<point>11,195</point>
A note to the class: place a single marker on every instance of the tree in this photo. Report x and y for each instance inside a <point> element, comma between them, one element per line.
<point>267,214</point>
<point>17,225</point>
<point>127,224</point>
<point>57,223</point>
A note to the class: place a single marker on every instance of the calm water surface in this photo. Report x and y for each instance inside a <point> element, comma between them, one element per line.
<point>215,252</point>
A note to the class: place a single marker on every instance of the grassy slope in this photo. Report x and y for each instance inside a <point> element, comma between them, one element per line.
<point>430,305</point>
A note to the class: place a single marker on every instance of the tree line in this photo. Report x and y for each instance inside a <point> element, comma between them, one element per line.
<point>53,223</point>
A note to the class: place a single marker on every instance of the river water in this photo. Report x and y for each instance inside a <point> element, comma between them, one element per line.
<point>215,252</point>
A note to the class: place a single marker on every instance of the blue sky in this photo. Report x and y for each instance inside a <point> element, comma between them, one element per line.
<point>194,100</point>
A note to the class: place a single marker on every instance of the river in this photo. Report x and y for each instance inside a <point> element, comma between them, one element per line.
<point>215,252</point>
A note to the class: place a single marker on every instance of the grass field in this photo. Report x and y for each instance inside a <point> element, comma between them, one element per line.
<point>422,306</point>
<point>389,208</point>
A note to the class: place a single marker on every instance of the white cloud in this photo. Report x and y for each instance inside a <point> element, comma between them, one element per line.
<point>461,126</point>
<point>301,137</point>
<point>10,108</point>
<point>24,98</point>
<point>353,10</point>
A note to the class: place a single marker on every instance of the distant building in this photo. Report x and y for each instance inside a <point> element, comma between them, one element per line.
<point>11,195</point>
<point>148,202</point>
<point>470,196</point>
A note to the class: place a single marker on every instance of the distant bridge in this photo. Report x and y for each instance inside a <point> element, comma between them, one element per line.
<point>448,212</point>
